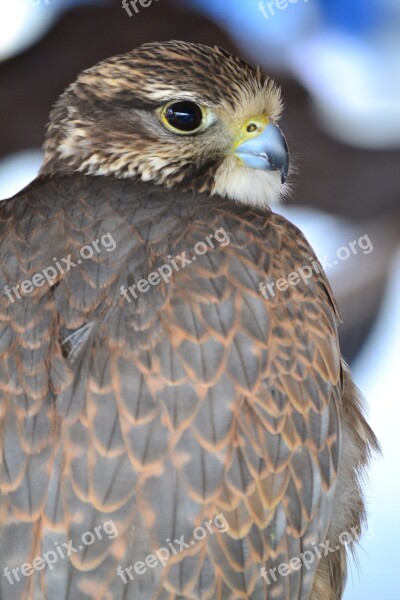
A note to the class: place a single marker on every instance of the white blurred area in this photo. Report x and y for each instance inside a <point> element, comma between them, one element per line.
<point>23,22</point>
<point>376,372</point>
<point>353,78</point>
<point>17,170</point>
<point>355,87</point>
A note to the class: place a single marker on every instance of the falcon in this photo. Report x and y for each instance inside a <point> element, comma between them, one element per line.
<point>168,431</point>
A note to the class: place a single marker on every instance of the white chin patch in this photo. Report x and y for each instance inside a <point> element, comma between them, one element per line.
<point>248,186</point>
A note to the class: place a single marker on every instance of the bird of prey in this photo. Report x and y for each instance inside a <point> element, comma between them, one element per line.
<point>168,432</point>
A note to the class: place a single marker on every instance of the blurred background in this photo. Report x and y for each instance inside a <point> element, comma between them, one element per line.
<point>338,63</point>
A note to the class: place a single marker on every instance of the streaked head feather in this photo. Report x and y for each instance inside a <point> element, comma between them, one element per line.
<point>106,123</point>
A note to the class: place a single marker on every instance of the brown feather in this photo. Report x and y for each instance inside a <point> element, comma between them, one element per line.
<point>196,399</point>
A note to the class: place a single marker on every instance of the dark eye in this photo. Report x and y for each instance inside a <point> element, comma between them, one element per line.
<point>184,116</point>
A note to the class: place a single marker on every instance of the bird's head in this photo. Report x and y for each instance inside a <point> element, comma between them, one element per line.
<point>182,115</point>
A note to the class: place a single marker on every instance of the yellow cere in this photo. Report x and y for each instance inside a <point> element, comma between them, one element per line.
<point>251,129</point>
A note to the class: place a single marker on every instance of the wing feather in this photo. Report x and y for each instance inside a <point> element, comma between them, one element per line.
<point>157,413</point>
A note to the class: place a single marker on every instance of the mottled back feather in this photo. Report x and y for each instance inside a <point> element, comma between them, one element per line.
<point>195,399</point>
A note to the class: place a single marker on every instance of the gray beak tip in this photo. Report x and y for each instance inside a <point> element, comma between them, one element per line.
<point>268,151</point>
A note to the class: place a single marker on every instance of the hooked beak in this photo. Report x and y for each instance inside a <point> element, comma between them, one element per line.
<point>267,151</point>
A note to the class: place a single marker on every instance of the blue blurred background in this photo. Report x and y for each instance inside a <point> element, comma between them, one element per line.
<point>338,63</point>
